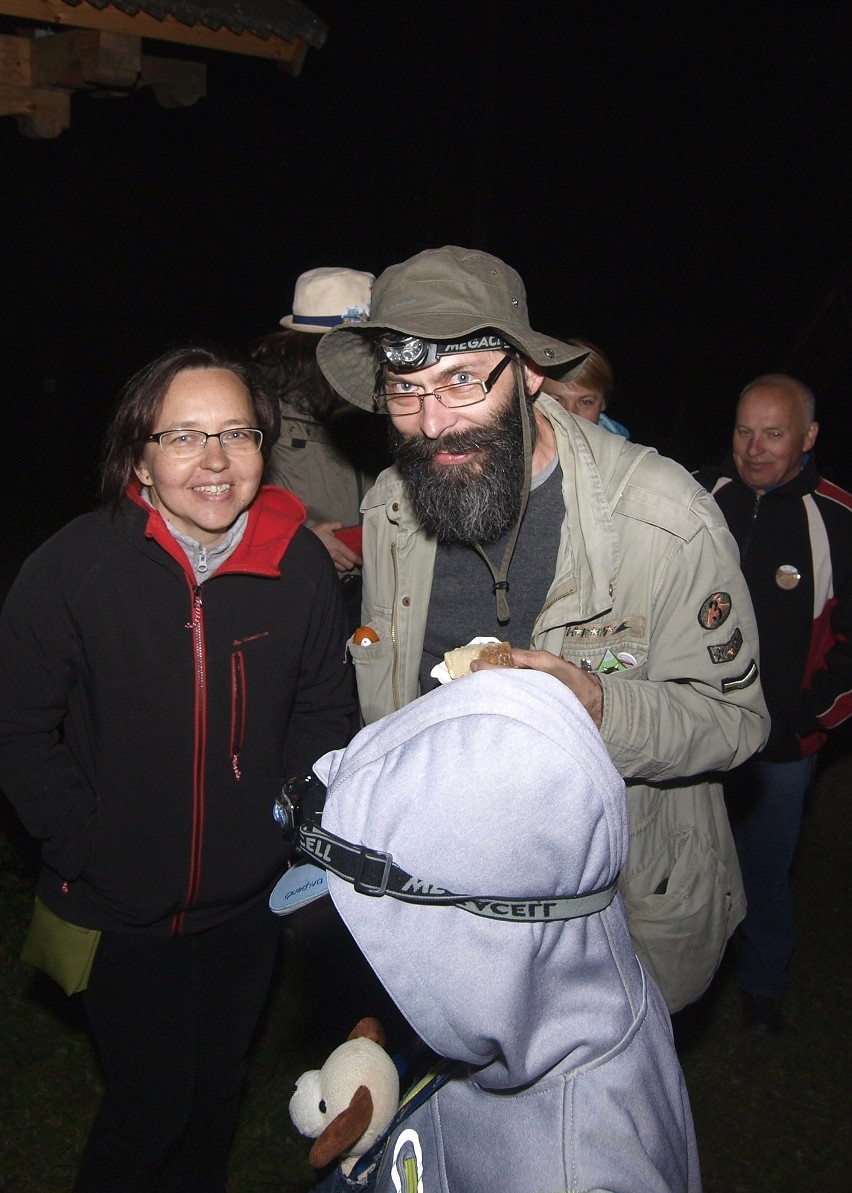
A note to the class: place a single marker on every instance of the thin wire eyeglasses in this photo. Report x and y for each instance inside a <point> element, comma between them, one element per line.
<point>451,397</point>
<point>185,443</point>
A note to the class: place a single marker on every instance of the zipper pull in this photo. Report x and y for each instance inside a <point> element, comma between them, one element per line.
<point>196,609</point>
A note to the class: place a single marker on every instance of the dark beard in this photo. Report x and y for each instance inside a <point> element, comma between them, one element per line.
<point>466,503</point>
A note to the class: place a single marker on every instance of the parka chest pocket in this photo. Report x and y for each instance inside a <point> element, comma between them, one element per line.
<point>238,710</point>
<point>608,646</point>
<point>373,667</point>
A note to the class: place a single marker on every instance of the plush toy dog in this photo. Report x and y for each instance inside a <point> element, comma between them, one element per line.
<point>347,1104</point>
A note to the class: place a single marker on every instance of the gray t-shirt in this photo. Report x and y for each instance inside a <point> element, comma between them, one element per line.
<point>462,604</point>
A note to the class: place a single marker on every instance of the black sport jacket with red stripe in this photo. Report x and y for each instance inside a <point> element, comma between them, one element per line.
<point>796,555</point>
<point>147,722</point>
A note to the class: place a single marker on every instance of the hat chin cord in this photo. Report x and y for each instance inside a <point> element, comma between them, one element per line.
<point>500,575</point>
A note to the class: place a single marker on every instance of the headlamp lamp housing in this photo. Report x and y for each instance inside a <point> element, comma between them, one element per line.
<point>405,352</point>
<point>300,801</point>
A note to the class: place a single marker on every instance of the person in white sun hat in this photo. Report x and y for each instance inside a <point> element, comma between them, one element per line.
<point>322,453</point>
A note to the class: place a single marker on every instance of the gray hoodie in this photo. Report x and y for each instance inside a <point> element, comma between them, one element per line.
<point>499,786</point>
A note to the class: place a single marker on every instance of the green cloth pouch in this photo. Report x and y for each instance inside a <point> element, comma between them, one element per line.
<point>64,951</point>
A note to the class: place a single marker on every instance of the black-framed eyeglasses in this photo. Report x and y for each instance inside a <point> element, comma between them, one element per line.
<point>451,397</point>
<point>186,442</point>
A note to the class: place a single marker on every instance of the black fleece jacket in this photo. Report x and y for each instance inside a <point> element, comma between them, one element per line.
<point>147,722</point>
<point>796,555</point>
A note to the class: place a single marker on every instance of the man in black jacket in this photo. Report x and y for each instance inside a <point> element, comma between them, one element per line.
<point>794,531</point>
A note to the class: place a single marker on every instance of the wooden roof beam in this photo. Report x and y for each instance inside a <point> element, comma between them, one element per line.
<point>37,76</point>
<point>288,54</point>
<point>41,112</point>
<point>114,63</point>
<point>87,58</point>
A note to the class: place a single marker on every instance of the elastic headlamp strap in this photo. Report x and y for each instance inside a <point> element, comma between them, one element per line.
<point>501,576</point>
<point>373,872</point>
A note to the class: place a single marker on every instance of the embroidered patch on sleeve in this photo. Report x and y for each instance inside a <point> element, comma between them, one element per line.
<point>744,681</point>
<point>727,650</point>
<point>715,610</point>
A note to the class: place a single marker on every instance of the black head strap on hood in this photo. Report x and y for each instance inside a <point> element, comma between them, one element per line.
<point>373,872</point>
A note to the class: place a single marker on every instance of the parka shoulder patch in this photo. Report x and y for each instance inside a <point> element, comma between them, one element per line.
<point>715,611</point>
<point>726,651</point>
<point>745,680</point>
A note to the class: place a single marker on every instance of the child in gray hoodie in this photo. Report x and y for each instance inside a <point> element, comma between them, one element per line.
<point>495,829</point>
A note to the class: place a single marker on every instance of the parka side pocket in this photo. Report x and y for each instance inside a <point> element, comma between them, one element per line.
<point>679,914</point>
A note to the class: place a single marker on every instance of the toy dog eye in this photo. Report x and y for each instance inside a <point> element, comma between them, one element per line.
<point>322,1106</point>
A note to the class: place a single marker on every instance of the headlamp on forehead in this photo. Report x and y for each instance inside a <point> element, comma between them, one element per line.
<point>407,352</point>
<point>402,351</point>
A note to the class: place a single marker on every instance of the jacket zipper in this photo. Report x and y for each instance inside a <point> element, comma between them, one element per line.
<point>394,631</point>
<point>196,625</point>
<point>751,526</point>
<point>560,596</point>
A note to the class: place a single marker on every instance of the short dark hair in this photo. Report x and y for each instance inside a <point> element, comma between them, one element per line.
<point>139,404</point>
<point>288,360</point>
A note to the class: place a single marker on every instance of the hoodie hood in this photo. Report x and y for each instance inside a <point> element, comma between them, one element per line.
<point>496,785</point>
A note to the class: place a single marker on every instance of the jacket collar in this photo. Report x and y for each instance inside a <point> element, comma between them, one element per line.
<point>273,519</point>
<point>802,483</point>
<point>596,468</point>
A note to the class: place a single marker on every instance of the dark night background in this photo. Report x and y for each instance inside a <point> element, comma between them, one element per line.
<point>673,181</point>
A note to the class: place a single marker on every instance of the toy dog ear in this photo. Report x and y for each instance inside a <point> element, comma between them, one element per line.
<point>370,1029</point>
<point>343,1130</point>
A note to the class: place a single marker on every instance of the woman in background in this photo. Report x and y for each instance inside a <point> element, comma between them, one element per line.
<point>587,392</point>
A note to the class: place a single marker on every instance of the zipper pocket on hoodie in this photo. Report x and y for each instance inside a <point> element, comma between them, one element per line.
<point>238,709</point>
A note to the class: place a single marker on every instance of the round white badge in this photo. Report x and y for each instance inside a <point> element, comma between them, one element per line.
<point>787,576</point>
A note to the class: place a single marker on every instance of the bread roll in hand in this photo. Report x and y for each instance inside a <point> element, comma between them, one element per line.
<point>458,661</point>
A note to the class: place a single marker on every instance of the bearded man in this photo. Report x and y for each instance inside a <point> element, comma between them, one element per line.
<point>504,515</point>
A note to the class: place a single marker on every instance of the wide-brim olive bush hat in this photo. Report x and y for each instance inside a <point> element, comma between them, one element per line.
<point>439,295</point>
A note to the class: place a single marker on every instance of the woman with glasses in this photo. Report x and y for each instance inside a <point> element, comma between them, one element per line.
<point>168,660</point>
